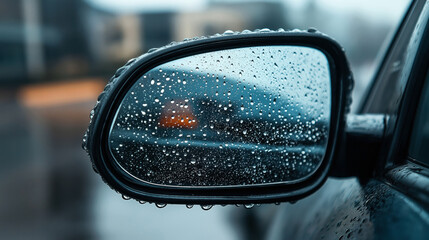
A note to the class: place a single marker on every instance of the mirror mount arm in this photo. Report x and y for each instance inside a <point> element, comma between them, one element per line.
<point>357,152</point>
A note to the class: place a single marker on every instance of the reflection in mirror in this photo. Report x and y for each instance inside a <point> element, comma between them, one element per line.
<point>243,116</point>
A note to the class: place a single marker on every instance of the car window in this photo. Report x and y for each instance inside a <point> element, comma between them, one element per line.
<point>386,94</point>
<point>419,146</point>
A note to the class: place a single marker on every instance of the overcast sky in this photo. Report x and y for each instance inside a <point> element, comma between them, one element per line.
<point>384,9</point>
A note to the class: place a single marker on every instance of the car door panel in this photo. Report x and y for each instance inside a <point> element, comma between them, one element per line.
<point>345,209</point>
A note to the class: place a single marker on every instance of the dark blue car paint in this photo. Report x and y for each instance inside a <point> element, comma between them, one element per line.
<point>346,209</point>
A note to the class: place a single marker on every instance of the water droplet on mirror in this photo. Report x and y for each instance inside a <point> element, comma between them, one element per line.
<point>189,206</point>
<point>125,197</point>
<point>228,32</point>
<point>160,205</point>
<point>249,206</point>
<point>206,207</point>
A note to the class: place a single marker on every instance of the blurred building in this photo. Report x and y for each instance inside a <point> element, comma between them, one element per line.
<point>111,37</point>
<point>35,34</point>
<point>115,36</point>
<point>51,40</point>
<point>12,51</point>
<point>226,15</point>
<point>45,40</point>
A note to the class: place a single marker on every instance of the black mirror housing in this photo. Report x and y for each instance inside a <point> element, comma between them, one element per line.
<point>97,138</point>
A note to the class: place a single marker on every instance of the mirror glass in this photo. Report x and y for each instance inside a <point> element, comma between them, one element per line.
<point>243,116</point>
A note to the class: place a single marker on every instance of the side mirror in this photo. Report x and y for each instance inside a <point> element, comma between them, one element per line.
<point>238,118</point>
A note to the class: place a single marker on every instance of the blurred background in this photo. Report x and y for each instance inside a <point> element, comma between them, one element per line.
<point>56,57</point>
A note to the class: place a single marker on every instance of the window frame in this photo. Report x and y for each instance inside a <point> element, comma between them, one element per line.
<point>416,66</point>
<point>396,168</point>
<point>394,148</point>
<point>424,96</point>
